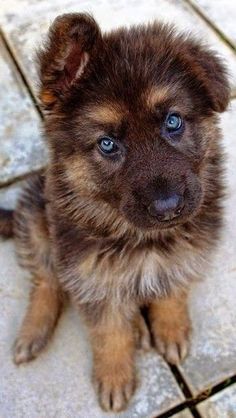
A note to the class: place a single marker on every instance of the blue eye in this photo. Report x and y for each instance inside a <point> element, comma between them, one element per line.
<point>107,145</point>
<point>173,122</point>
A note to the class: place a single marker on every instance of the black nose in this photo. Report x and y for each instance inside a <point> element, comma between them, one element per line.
<point>167,208</point>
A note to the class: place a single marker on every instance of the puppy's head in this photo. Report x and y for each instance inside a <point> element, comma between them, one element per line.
<point>131,116</point>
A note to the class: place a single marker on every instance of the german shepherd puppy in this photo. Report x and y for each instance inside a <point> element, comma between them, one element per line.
<point>128,211</point>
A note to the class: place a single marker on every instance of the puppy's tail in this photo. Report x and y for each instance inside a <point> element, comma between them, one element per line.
<point>6,223</point>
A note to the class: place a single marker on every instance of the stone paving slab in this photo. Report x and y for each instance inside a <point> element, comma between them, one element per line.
<point>221,405</point>
<point>222,13</point>
<point>213,351</point>
<point>57,384</point>
<point>25,21</point>
<point>21,148</point>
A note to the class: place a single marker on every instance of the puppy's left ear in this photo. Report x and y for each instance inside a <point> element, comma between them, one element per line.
<point>212,75</point>
<point>71,44</point>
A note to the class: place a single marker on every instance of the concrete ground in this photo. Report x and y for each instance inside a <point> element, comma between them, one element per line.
<point>58,384</point>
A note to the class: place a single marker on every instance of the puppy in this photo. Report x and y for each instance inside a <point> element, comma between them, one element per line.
<point>128,212</point>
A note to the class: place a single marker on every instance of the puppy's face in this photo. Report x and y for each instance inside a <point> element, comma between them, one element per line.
<point>132,117</point>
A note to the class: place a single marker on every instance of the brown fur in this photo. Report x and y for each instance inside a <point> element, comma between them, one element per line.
<point>6,223</point>
<point>83,227</point>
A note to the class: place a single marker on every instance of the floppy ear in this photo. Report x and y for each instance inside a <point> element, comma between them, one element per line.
<point>72,40</point>
<point>212,76</point>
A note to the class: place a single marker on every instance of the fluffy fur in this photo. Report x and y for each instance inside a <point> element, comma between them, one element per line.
<point>83,227</point>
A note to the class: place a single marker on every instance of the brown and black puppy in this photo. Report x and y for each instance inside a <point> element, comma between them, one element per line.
<point>129,210</point>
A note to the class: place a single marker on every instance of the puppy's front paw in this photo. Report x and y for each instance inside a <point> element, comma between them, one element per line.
<point>114,390</point>
<point>26,348</point>
<point>171,327</point>
<point>171,337</point>
<point>173,348</point>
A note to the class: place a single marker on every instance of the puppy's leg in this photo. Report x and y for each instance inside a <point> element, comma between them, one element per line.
<point>39,322</point>
<point>113,345</point>
<point>142,334</point>
<point>34,251</point>
<point>170,327</point>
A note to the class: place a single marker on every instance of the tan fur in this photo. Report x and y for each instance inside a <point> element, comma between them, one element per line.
<point>170,326</point>
<point>40,320</point>
<point>47,98</point>
<point>155,96</point>
<point>77,173</point>
<point>106,113</point>
<point>113,344</point>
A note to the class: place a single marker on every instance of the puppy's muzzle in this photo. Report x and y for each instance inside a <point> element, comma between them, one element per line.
<point>166,208</point>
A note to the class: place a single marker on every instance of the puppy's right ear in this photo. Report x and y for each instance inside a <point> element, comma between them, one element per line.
<point>72,41</point>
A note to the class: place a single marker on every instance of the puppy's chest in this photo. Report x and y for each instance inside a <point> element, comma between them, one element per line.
<point>126,262</point>
<point>118,273</point>
<point>127,273</point>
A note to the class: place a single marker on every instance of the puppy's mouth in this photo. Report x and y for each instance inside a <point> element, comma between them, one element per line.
<point>152,223</point>
<point>158,223</point>
<point>172,221</point>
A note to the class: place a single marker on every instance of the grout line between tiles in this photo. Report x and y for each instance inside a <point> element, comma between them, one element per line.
<point>173,411</point>
<point>191,401</point>
<point>185,390</point>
